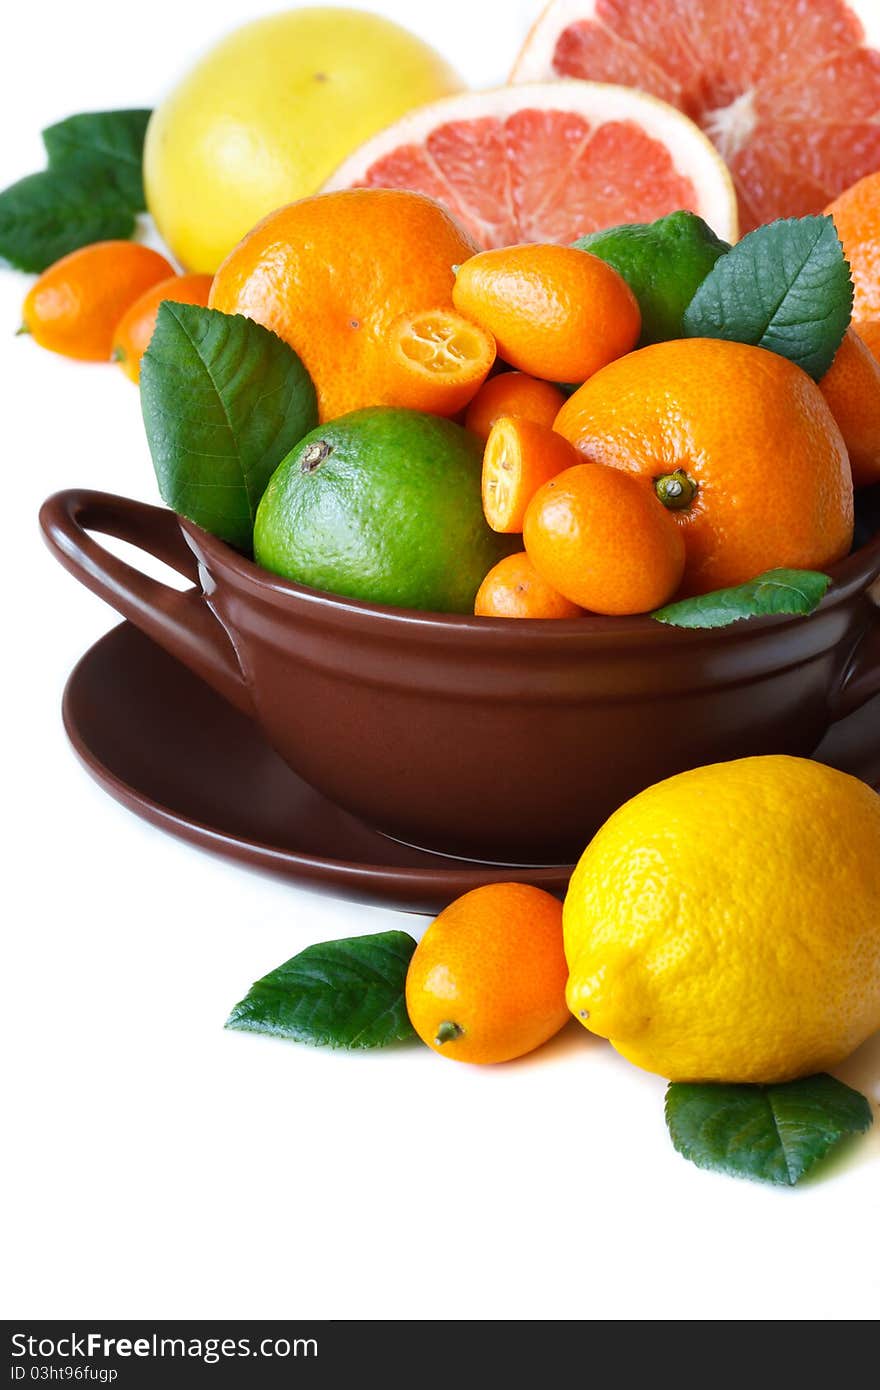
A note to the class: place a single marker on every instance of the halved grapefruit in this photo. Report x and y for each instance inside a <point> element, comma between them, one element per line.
<point>549,162</point>
<point>788,90</point>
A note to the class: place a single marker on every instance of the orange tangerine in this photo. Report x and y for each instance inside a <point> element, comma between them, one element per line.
<point>856,213</point>
<point>739,443</point>
<point>869,332</point>
<point>330,275</point>
<point>851,386</point>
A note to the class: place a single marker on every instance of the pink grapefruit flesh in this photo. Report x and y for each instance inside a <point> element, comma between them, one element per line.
<point>549,162</point>
<point>788,90</point>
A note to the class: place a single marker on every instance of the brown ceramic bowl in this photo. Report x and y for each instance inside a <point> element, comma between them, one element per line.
<point>493,739</point>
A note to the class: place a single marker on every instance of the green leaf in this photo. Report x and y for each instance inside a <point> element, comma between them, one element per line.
<point>769,1133</point>
<point>777,591</point>
<point>90,192</point>
<point>106,145</point>
<point>224,400</point>
<point>786,287</point>
<point>47,215</point>
<point>346,993</point>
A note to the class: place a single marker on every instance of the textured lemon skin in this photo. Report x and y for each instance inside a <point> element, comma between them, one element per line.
<point>724,925</point>
<point>268,113</point>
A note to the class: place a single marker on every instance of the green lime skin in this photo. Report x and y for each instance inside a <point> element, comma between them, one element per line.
<point>663,262</point>
<point>382,505</point>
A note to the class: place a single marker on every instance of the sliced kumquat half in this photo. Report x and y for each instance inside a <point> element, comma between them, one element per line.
<point>438,360</point>
<point>520,456</point>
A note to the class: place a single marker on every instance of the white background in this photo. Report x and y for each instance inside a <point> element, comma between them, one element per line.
<point>157,1166</point>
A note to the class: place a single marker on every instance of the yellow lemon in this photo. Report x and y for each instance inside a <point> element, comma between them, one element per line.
<point>724,925</point>
<point>267,115</point>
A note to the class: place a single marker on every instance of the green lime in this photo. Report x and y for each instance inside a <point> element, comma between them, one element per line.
<point>663,262</point>
<point>382,505</point>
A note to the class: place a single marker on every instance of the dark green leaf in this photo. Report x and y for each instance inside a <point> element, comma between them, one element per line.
<point>778,591</point>
<point>340,994</point>
<point>106,145</point>
<point>47,215</point>
<point>770,1133</point>
<point>786,287</point>
<point>224,400</point>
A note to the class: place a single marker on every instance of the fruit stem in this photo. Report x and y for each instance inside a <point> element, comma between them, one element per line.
<point>448,1032</point>
<point>22,328</point>
<point>675,490</point>
<point>314,455</point>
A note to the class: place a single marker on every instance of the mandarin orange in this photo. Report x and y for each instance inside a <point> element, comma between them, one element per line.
<point>739,442</point>
<point>869,332</point>
<point>330,274</point>
<point>851,386</point>
<point>856,214</point>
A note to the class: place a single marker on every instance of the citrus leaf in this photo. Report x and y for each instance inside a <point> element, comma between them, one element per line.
<point>107,145</point>
<point>223,400</point>
<point>347,993</point>
<point>796,592</point>
<point>786,287</point>
<point>769,1133</point>
<point>47,215</point>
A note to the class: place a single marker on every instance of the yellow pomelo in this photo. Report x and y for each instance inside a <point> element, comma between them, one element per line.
<point>269,113</point>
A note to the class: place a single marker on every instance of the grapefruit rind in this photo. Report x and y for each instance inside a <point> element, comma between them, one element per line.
<point>534,62</point>
<point>692,153</point>
<point>732,126</point>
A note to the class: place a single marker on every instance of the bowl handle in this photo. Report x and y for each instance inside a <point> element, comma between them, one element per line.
<point>182,623</point>
<point>861,676</point>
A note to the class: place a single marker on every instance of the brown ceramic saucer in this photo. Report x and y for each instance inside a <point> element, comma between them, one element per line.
<point>163,743</point>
